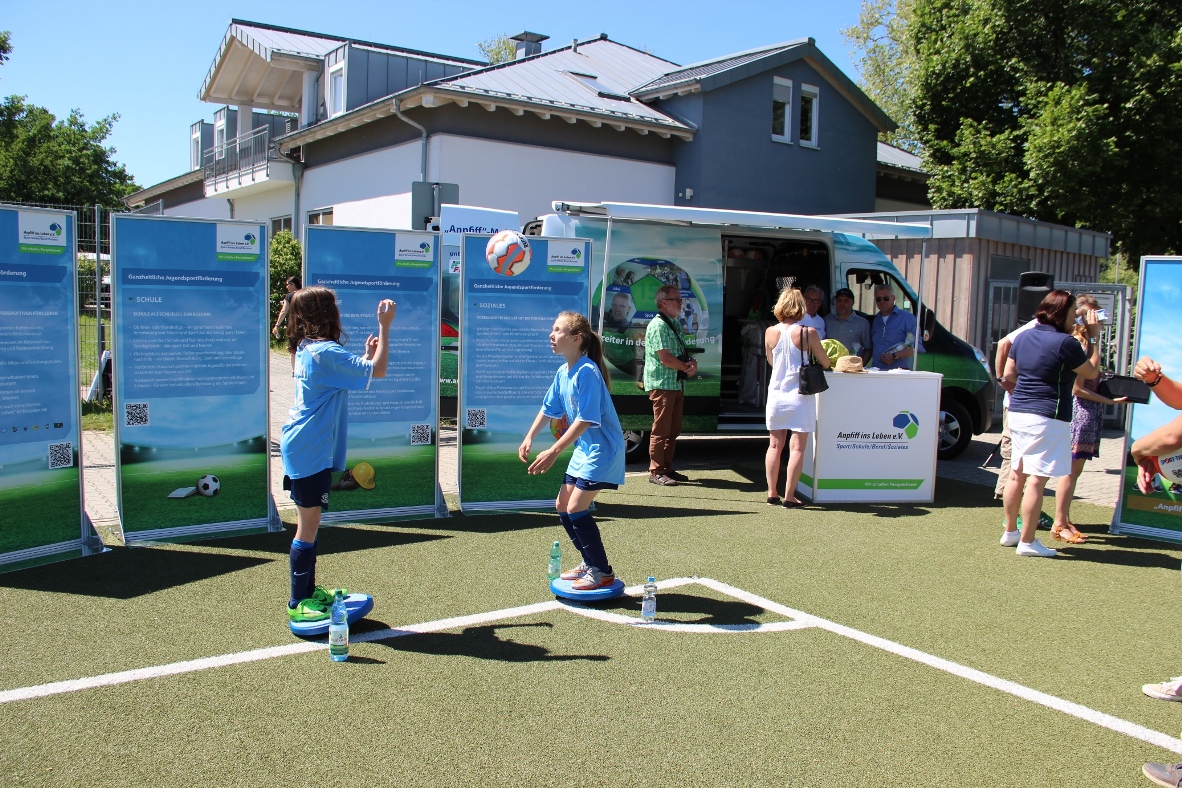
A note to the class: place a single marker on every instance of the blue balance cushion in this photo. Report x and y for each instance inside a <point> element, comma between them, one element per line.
<point>563,589</point>
<point>358,605</point>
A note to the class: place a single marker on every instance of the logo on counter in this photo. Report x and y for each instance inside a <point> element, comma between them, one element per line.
<point>907,422</point>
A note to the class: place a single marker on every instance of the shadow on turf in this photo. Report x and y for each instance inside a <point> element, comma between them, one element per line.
<point>124,573</point>
<point>482,642</point>
<point>692,609</point>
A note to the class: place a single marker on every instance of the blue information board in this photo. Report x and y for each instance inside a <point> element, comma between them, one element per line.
<point>393,425</point>
<point>506,365</point>
<point>189,300</point>
<point>41,504</point>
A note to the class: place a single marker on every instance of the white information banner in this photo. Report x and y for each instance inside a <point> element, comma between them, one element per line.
<point>876,439</point>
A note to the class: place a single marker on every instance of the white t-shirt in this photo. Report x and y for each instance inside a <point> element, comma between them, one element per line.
<point>1005,401</point>
<point>814,321</point>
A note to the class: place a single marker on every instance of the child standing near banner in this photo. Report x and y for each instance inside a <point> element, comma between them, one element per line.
<point>579,397</point>
<point>315,435</point>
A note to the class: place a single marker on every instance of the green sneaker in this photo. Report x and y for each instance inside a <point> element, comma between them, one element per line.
<point>327,595</point>
<point>310,609</point>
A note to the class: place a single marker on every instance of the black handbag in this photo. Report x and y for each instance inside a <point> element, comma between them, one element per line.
<point>812,374</point>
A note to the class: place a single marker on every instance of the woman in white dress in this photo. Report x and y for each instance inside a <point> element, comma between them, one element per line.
<point>789,411</point>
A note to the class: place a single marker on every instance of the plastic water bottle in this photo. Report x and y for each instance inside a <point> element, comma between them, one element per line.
<point>555,568</point>
<point>648,606</point>
<point>338,629</point>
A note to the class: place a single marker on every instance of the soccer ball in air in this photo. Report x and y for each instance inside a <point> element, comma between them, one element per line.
<point>1171,468</point>
<point>209,485</point>
<point>507,253</point>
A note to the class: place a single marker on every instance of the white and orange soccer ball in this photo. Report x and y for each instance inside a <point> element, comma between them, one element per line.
<point>507,253</point>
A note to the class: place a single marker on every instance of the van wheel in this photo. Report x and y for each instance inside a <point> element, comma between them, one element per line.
<point>634,441</point>
<point>956,430</point>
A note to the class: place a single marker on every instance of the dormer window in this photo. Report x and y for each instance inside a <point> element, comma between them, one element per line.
<point>336,90</point>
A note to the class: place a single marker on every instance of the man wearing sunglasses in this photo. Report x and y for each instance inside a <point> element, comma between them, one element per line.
<point>890,329</point>
<point>663,343</point>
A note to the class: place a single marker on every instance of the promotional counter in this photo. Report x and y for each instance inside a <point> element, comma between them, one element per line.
<point>876,439</point>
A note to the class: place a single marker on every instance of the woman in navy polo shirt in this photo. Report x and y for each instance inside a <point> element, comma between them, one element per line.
<point>1039,373</point>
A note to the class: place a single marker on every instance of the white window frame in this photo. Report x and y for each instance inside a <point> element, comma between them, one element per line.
<point>196,155</point>
<point>219,140</point>
<point>281,221</point>
<point>814,93</point>
<point>317,217</point>
<point>786,137</point>
<point>333,93</point>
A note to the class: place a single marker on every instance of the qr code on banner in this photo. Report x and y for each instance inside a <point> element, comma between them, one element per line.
<point>476,419</point>
<point>135,414</point>
<point>420,435</point>
<point>61,455</point>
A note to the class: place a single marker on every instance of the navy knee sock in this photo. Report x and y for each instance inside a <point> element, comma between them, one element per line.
<point>303,571</point>
<point>564,518</point>
<point>585,528</point>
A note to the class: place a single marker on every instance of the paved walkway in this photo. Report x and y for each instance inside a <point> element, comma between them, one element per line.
<point>1098,484</point>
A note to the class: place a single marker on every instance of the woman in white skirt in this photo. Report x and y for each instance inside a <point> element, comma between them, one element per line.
<point>789,411</point>
<point>1039,374</point>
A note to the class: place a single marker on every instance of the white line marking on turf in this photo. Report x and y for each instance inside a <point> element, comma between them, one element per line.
<point>1077,710</point>
<point>800,620</point>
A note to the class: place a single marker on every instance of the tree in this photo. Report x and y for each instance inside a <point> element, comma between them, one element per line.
<point>286,260</point>
<point>886,62</point>
<point>43,159</point>
<point>1068,111</point>
<point>498,49</point>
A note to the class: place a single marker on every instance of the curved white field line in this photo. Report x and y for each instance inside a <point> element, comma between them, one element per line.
<point>799,620</point>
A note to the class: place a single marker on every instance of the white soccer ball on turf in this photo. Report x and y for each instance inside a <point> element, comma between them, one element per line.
<point>1171,468</point>
<point>508,253</point>
<point>209,485</point>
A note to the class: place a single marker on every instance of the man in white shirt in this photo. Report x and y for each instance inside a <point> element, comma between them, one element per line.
<point>813,298</point>
<point>999,362</point>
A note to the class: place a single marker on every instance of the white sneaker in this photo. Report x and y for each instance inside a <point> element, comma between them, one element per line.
<point>1010,538</point>
<point>1035,548</point>
<point>1167,690</point>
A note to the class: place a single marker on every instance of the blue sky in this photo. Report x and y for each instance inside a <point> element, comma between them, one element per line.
<point>146,60</point>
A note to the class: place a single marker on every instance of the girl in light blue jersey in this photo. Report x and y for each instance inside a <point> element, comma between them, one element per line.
<point>315,435</point>
<point>579,398</point>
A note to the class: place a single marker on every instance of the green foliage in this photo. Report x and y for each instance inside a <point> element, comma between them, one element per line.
<point>286,260</point>
<point>886,62</point>
<point>43,159</point>
<point>5,45</point>
<point>498,49</point>
<point>1068,111</point>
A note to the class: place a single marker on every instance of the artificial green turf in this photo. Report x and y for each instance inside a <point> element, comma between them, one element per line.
<point>532,701</point>
<point>146,486</point>
<point>405,480</point>
<point>45,514</point>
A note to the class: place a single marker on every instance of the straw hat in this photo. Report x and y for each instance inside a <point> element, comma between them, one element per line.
<point>849,364</point>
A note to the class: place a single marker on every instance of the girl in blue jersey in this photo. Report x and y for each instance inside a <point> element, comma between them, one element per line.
<point>315,435</point>
<point>579,397</point>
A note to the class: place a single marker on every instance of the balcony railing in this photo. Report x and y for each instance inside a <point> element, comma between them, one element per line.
<point>241,157</point>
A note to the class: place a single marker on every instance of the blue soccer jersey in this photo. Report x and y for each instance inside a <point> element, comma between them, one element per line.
<point>580,394</point>
<point>316,432</point>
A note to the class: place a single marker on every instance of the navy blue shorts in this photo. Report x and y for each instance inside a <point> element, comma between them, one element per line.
<point>310,491</point>
<point>584,484</point>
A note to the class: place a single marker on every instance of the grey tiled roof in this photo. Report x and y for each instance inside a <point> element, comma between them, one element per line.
<point>696,71</point>
<point>597,78</point>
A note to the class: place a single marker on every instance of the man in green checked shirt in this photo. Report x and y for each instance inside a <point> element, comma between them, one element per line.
<point>663,343</point>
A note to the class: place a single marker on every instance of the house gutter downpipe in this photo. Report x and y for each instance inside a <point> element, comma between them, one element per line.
<point>423,165</point>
